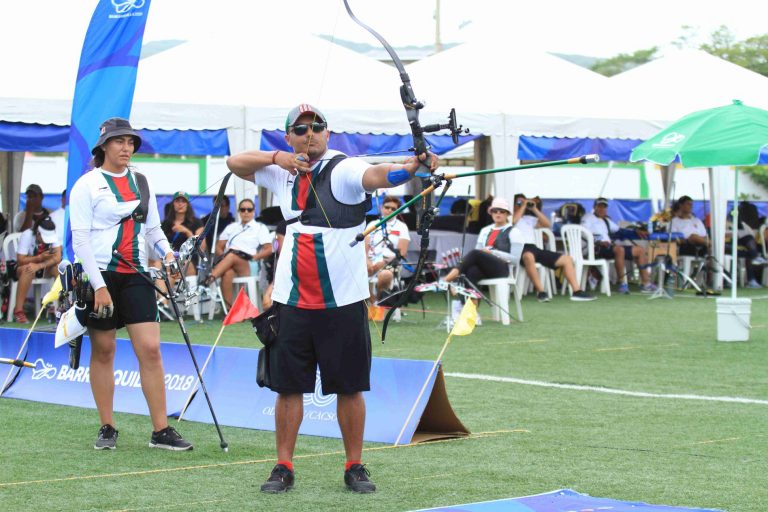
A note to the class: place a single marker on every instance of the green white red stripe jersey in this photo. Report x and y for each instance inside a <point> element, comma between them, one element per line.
<point>98,202</point>
<point>317,268</point>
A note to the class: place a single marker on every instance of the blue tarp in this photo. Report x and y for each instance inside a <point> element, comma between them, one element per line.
<point>367,143</point>
<point>55,139</point>
<point>564,500</point>
<point>552,148</point>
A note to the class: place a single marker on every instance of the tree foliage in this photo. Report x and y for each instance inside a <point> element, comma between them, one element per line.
<point>624,61</point>
<point>751,53</point>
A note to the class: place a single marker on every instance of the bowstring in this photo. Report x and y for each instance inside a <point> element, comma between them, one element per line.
<point>366,300</point>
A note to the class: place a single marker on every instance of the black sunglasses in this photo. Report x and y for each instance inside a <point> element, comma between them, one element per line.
<point>301,129</point>
<point>498,210</point>
<point>244,210</point>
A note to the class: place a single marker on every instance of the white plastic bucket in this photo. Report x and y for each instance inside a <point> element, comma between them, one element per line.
<point>733,319</point>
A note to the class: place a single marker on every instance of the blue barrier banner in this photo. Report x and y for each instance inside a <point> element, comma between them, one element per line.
<point>10,343</point>
<point>106,78</point>
<point>53,381</point>
<point>564,500</point>
<point>395,385</point>
<point>230,378</point>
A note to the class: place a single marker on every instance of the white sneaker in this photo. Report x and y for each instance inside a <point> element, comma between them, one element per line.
<point>753,284</point>
<point>759,261</point>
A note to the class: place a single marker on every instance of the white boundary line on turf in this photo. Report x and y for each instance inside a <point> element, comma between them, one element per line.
<point>611,391</point>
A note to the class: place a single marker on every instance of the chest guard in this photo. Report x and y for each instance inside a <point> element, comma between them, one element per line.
<point>338,214</point>
<point>502,241</point>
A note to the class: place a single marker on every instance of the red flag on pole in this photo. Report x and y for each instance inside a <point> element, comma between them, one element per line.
<point>242,309</point>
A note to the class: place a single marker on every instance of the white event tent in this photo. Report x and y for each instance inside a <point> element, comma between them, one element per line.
<point>535,94</point>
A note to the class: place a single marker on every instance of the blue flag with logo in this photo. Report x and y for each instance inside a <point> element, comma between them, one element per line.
<point>106,78</point>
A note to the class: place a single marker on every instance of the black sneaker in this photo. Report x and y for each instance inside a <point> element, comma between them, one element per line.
<point>356,478</point>
<point>542,297</point>
<point>107,438</point>
<point>169,439</point>
<point>279,481</point>
<point>582,296</point>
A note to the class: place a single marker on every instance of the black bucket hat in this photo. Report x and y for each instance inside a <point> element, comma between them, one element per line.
<point>115,127</point>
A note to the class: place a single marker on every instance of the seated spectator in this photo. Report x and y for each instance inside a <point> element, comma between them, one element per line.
<point>602,227</point>
<point>695,242</point>
<point>38,255</point>
<point>225,219</point>
<point>33,209</point>
<point>495,243</point>
<point>494,252</point>
<point>57,216</point>
<point>384,247</point>
<point>180,224</point>
<point>746,248</point>
<point>277,245</point>
<point>239,244</point>
<point>526,219</point>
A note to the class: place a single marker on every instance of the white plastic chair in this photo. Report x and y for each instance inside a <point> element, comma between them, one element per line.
<point>39,284</point>
<point>573,234</point>
<point>499,289</point>
<point>547,275</point>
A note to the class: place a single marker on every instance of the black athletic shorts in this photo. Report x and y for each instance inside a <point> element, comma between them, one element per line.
<point>546,258</point>
<point>335,339</point>
<point>133,299</point>
<point>604,252</point>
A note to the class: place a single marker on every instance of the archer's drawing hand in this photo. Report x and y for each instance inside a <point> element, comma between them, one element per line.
<point>294,163</point>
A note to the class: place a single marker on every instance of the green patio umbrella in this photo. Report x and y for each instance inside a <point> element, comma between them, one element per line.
<point>730,135</point>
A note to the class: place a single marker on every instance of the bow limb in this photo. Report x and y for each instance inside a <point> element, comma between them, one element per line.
<point>214,214</point>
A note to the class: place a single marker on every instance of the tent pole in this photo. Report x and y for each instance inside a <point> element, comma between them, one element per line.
<point>734,231</point>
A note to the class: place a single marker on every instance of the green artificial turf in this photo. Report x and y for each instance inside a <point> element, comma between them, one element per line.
<point>526,438</point>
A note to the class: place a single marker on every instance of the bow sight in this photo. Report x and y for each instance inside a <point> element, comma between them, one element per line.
<point>455,128</point>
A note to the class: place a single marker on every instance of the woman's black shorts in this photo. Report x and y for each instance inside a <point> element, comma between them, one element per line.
<point>133,299</point>
<point>336,339</point>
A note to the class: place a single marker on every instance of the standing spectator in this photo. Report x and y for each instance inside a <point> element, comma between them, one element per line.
<point>38,255</point>
<point>33,209</point>
<point>602,227</point>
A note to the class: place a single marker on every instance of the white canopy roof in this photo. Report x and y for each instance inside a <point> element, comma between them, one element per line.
<point>685,81</point>
<point>538,93</point>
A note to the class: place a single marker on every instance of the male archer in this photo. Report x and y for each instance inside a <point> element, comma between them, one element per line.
<point>320,282</point>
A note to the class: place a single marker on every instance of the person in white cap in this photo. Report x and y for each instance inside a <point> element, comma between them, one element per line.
<point>321,282</point>
<point>38,255</point>
<point>497,246</point>
<point>108,216</point>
